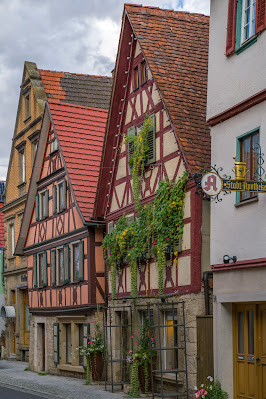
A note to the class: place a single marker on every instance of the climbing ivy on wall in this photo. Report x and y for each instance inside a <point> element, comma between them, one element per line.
<point>155,228</point>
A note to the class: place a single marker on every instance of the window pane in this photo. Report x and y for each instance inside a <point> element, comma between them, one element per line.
<point>136,78</point>
<point>76,260</point>
<point>61,265</point>
<point>251,332</point>
<point>240,317</point>
<point>41,268</point>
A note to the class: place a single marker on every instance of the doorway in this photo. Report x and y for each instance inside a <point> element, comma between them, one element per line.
<point>249,332</point>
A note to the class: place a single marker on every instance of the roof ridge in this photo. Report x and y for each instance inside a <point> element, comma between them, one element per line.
<point>166,9</point>
<point>65,104</point>
<point>74,73</point>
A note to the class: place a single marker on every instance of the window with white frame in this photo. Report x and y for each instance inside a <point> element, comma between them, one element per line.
<point>11,236</point>
<point>21,147</point>
<point>77,261</point>
<point>42,205</point>
<point>40,275</point>
<point>248,19</point>
<point>54,145</point>
<point>27,104</point>
<point>59,196</point>
<point>60,264</point>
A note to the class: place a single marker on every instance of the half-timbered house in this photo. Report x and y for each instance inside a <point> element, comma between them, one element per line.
<point>37,87</point>
<point>161,70</point>
<point>61,241</point>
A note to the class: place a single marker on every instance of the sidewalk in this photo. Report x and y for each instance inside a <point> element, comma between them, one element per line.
<point>12,375</point>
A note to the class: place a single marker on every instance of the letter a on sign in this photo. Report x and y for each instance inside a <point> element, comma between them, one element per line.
<point>211,183</point>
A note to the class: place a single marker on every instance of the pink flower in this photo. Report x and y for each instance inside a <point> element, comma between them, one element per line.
<point>92,322</point>
<point>132,336</point>
<point>130,351</point>
<point>136,342</point>
<point>152,339</point>
<point>138,332</point>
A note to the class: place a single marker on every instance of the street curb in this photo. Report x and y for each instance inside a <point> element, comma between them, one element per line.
<point>30,391</point>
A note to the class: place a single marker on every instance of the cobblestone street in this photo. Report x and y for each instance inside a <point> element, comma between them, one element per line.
<point>12,375</point>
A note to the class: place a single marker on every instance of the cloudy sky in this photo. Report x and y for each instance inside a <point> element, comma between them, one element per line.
<point>79,36</point>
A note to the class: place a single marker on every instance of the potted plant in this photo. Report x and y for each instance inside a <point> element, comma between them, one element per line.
<point>94,354</point>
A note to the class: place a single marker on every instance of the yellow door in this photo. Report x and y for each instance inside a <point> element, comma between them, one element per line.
<point>250,351</point>
<point>262,350</point>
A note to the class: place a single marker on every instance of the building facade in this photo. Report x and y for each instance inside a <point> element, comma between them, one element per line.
<point>2,258</point>
<point>236,114</point>
<point>65,266</point>
<point>161,72</point>
<point>37,87</point>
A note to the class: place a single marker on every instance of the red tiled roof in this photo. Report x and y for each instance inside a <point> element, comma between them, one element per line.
<point>80,132</point>
<point>73,88</point>
<point>175,45</point>
<point>2,233</point>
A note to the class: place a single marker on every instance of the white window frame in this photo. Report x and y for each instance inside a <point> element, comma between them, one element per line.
<point>54,145</point>
<point>73,244</point>
<point>58,281</point>
<point>251,19</point>
<point>42,205</point>
<point>12,228</point>
<point>174,320</point>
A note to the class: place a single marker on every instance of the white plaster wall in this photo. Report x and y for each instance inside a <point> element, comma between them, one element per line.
<point>235,78</point>
<point>239,231</point>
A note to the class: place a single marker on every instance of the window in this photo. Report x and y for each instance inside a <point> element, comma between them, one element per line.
<point>27,105</point>
<point>143,72</point>
<point>136,78</point>
<point>21,147</point>
<point>170,341</point>
<point>133,130</point>
<point>60,254</point>
<point>11,239</point>
<point>40,276</point>
<point>248,146</point>
<point>54,145</point>
<point>42,258</point>
<point>34,139</point>
<point>42,205</point>
<point>77,261</point>
<point>59,197</point>
<point>246,18</point>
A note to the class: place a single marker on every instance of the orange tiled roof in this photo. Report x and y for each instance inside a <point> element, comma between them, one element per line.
<point>73,88</point>
<point>80,132</point>
<point>175,45</point>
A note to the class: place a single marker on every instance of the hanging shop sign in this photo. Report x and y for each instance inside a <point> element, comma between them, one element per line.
<point>211,183</point>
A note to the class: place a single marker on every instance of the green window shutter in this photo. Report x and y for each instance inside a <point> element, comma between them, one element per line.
<point>53,267</point>
<point>56,343</point>
<point>152,141</point>
<point>54,199</point>
<point>45,268</point>
<point>86,334</point>
<point>46,199</point>
<point>37,207</point>
<point>81,260</point>
<point>35,274</point>
<point>238,19</point>
<point>131,132</point>
<point>64,194</point>
<point>66,263</point>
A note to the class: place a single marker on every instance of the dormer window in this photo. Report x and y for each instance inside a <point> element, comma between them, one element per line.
<point>54,146</point>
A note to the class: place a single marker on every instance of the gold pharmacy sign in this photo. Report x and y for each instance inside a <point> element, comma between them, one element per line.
<point>212,184</point>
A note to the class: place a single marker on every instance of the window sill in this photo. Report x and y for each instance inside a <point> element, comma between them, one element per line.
<point>69,367</point>
<point>21,185</point>
<point>246,44</point>
<point>247,201</point>
<point>27,119</point>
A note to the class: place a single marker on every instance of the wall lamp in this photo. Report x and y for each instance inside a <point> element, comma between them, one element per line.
<point>227,259</point>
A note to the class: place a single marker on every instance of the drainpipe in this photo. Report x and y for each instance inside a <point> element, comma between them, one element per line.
<point>207,291</point>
